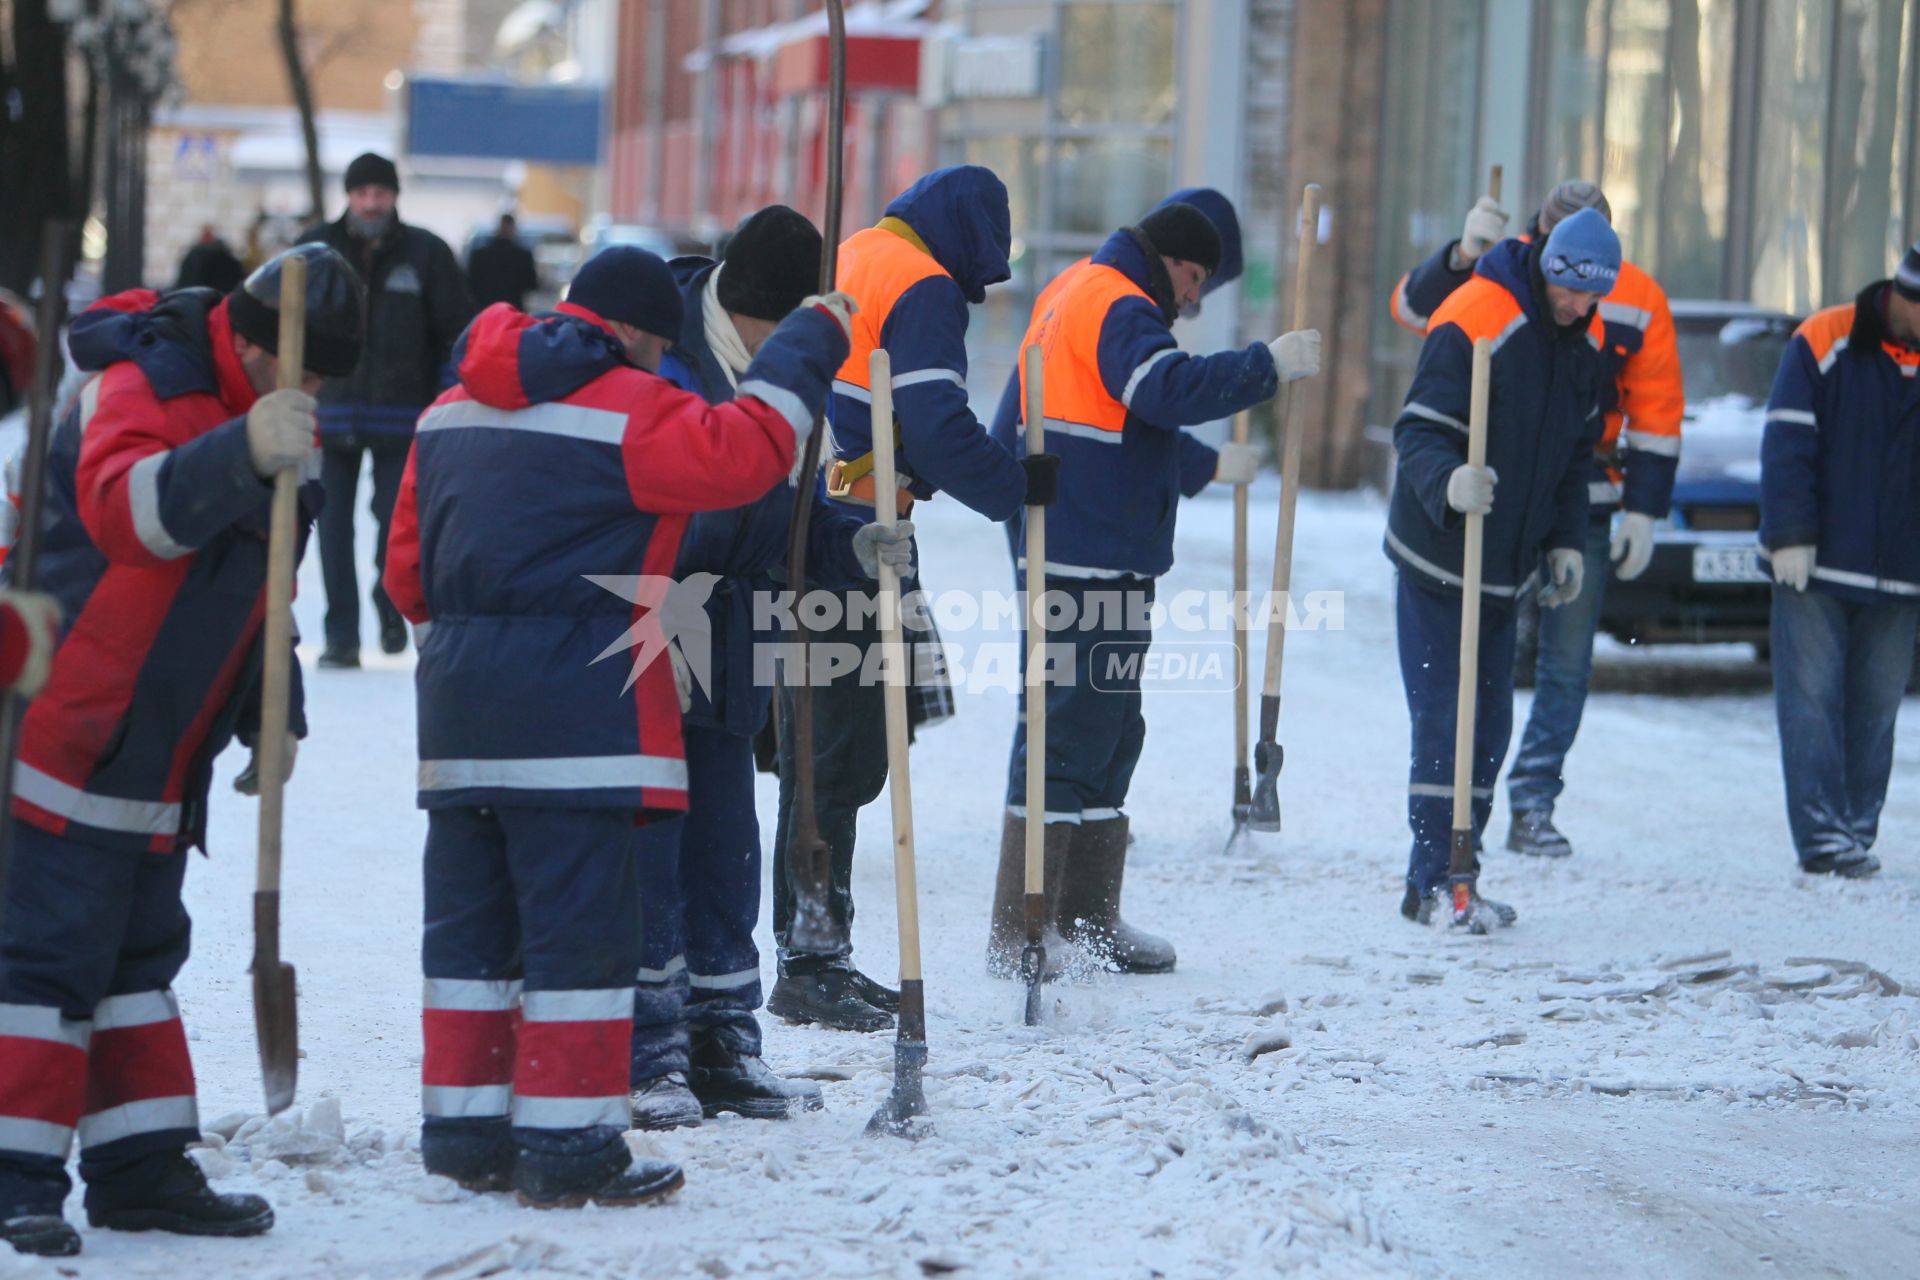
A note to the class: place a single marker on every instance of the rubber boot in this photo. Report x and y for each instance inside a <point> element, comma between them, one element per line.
<point>1007,937</point>
<point>1090,902</point>
<point>724,1079</point>
<point>169,1193</point>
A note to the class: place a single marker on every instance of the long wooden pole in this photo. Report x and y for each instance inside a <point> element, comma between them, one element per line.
<point>1460,853</point>
<point>1033,961</point>
<point>1265,811</point>
<point>1242,719</point>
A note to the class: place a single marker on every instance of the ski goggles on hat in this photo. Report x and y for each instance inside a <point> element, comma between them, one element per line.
<point>1584,273</point>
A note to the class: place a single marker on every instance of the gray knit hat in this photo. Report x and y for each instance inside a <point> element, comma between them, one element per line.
<point>1569,198</point>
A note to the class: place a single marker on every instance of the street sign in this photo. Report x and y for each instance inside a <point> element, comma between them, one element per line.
<point>497,120</point>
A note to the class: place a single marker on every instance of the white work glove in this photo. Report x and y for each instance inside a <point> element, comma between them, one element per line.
<point>1470,490</point>
<point>1793,566</point>
<point>1633,545</point>
<point>838,305</point>
<point>1238,464</point>
<point>280,431</point>
<point>248,783</point>
<point>875,545</point>
<point>39,615</point>
<point>1486,226</point>
<point>682,678</point>
<point>1296,354</point>
<point>1566,567</point>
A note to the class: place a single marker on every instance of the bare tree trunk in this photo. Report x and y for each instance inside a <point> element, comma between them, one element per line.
<point>302,89</point>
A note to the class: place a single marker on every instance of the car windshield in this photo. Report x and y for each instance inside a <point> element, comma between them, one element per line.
<point>1723,358</point>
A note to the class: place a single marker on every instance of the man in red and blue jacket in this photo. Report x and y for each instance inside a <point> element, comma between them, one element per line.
<point>942,242</point>
<point>1118,392</point>
<point>159,485</point>
<point>1642,402</point>
<point>549,723</point>
<point>1840,527</point>
<point>1537,304</point>
<point>696,1042</point>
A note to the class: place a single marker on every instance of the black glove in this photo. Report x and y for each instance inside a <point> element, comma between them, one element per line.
<point>1043,478</point>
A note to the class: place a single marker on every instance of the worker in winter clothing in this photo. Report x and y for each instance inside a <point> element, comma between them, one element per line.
<point>696,1042</point>
<point>417,304</point>
<point>1117,393</point>
<point>941,243</point>
<point>1840,528</point>
<point>542,753</point>
<point>158,489</point>
<point>1643,401</point>
<point>1537,303</point>
<point>501,269</point>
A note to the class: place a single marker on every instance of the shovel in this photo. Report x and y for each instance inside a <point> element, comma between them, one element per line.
<point>1242,778</point>
<point>1460,861</point>
<point>1033,957</point>
<point>275,1019</point>
<point>1263,813</point>
<point>908,1101</point>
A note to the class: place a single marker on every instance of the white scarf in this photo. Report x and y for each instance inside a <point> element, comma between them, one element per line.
<point>722,337</point>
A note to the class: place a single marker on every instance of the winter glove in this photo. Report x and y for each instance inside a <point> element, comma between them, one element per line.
<point>839,306</point>
<point>875,545</point>
<point>1486,226</point>
<point>1470,490</point>
<point>1793,566</point>
<point>1043,478</point>
<point>682,678</point>
<point>1566,567</point>
<point>29,632</point>
<point>1296,354</point>
<point>1633,545</point>
<point>1238,464</point>
<point>248,783</point>
<point>280,431</point>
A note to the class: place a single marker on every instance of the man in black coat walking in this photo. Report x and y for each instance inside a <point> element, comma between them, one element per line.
<point>501,269</point>
<point>417,304</point>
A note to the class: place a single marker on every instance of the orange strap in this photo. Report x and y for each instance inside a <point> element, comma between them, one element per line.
<point>861,489</point>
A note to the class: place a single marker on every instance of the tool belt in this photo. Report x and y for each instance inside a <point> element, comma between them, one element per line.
<point>852,480</point>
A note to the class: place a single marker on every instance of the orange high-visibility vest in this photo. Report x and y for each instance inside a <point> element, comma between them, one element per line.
<point>1073,398</point>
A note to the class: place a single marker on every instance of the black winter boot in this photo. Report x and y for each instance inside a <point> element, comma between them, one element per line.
<point>1090,901</point>
<point>724,1079</point>
<point>171,1194</point>
<point>829,997</point>
<point>1007,936</point>
<point>664,1102</point>
<point>569,1169</point>
<point>1854,864</point>
<point>1534,834</point>
<point>45,1235</point>
<point>876,993</point>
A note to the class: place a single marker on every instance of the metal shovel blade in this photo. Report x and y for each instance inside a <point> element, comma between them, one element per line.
<point>1264,813</point>
<point>903,1114</point>
<point>276,1021</point>
<point>1033,971</point>
<point>813,929</point>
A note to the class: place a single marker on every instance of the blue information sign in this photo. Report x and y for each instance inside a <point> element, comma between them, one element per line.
<point>547,124</point>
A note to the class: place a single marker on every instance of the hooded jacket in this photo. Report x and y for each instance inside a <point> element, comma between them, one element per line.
<point>942,242</point>
<point>1840,460</point>
<point>745,547</point>
<point>156,547</point>
<point>1543,417</point>
<point>1118,391</point>
<point>1641,392</point>
<point>417,304</point>
<point>1198,461</point>
<point>536,532</point>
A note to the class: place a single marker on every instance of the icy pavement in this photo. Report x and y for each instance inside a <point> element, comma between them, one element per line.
<point>1685,1061</point>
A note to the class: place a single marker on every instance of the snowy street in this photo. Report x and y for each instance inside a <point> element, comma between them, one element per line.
<point>1686,1060</point>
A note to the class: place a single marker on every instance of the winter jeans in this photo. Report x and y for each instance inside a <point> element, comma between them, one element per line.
<point>1429,635</point>
<point>1095,727</point>
<point>340,475</point>
<point>1840,668</point>
<point>531,943</point>
<point>1562,673</point>
<point>90,941</point>
<point>700,881</point>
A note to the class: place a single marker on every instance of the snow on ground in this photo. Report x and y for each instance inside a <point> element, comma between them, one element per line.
<point>1686,1060</point>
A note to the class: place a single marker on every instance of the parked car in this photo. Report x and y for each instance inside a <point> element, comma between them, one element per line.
<point>601,234</point>
<point>1705,583</point>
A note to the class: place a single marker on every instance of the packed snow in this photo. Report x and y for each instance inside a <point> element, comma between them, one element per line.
<point>1685,1060</point>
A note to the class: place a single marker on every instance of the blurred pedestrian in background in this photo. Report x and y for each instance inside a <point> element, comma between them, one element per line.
<point>501,269</point>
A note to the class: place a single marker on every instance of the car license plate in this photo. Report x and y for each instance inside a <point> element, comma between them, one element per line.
<point>1727,564</point>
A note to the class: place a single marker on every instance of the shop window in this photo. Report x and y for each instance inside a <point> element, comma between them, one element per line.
<point>1574,90</point>
<point>1693,223</point>
<point>1635,157</point>
<point>1872,102</point>
<point>1105,182</point>
<point>1788,204</point>
<point>1116,64</point>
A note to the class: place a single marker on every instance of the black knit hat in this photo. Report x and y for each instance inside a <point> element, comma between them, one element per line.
<point>335,303</point>
<point>772,262</point>
<point>370,170</point>
<point>1182,231</point>
<point>627,284</point>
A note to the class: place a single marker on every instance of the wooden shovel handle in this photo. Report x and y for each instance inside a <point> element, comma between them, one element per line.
<point>894,658</point>
<point>276,677</point>
<point>1292,429</point>
<point>1470,598</point>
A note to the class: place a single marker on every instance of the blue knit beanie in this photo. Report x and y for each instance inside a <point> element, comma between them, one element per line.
<point>1582,253</point>
<point>630,285</point>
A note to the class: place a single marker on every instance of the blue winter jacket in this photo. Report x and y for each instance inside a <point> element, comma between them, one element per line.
<point>961,215</point>
<point>746,547</point>
<point>1119,492</point>
<point>1840,460</point>
<point>1543,417</point>
<point>1198,461</point>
